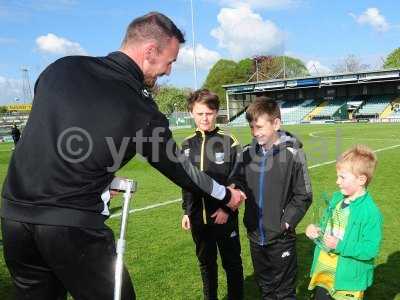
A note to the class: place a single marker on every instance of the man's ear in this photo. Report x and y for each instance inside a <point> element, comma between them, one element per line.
<point>150,50</point>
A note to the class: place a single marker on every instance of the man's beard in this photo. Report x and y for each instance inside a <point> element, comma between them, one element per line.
<point>150,81</point>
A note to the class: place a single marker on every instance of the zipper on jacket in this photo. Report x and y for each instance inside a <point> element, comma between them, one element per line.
<point>260,200</point>
<point>202,169</point>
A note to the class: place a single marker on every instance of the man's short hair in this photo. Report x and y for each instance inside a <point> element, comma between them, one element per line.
<point>262,106</point>
<point>152,26</point>
<point>359,160</point>
<point>203,96</point>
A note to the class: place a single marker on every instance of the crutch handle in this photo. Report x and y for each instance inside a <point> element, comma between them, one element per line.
<point>120,184</point>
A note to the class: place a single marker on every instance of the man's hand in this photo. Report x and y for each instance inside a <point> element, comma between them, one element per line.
<point>312,231</point>
<point>220,216</point>
<point>237,197</point>
<point>185,222</point>
<point>331,241</point>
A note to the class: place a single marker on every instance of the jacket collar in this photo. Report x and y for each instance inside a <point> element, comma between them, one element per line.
<point>355,202</point>
<point>127,64</point>
<point>207,133</point>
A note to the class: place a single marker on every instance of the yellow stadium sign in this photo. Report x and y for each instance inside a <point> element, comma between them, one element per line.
<point>19,107</point>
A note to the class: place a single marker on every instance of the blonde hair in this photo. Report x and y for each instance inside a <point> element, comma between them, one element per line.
<point>360,160</point>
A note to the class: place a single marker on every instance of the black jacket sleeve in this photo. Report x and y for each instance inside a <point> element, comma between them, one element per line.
<point>237,175</point>
<point>162,153</point>
<point>187,196</point>
<point>301,197</point>
<point>234,156</point>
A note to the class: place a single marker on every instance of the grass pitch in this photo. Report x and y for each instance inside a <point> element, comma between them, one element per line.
<point>161,257</point>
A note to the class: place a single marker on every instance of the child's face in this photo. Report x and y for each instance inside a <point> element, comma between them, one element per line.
<point>350,184</point>
<point>204,117</point>
<point>264,129</point>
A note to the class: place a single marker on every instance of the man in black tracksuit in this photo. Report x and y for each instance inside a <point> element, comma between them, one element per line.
<point>16,134</point>
<point>213,226</point>
<point>90,116</point>
<point>273,173</point>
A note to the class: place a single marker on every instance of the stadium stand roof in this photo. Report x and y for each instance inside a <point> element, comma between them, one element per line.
<point>314,81</point>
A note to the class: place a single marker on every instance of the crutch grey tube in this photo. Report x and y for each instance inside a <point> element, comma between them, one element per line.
<point>128,187</point>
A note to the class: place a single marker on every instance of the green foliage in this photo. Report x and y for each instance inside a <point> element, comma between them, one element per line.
<point>393,59</point>
<point>294,67</point>
<point>170,99</point>
<point>3,109</point>
<point>227,72</point>
<point>275,67</point>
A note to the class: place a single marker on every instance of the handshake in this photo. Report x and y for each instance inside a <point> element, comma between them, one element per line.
<point>237,197</point>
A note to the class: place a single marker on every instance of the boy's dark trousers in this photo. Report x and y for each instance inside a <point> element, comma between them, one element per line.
<point>275,268</point>
<point>207,238</point>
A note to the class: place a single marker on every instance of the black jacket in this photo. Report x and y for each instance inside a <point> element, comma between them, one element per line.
<point>86,110</point>
<point>277,186</point>
<point>214,152</point>
<point>15,133</point>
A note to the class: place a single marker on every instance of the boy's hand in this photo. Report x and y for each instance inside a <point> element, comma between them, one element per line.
<point>220,216</point>
<point>331,241</point>
<point>185,222</point>
<point>312,231</point>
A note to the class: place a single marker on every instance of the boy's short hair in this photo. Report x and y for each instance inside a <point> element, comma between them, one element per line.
<point>260,106</point>
<point>360,159</point>
<point>203,96</point>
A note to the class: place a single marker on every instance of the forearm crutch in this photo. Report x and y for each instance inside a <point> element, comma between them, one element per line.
<point>127,186</point>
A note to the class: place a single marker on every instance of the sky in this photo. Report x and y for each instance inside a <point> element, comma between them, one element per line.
<point>34,33</point>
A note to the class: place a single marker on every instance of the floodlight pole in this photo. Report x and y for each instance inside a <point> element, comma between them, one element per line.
<point>193,47</point>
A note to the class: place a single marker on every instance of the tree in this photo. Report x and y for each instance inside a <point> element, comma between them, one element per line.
<point>276,67</point>
<point>170,99</point>
<point>393,59</point>
<point>227,72</point>
<point>350,64</point>
<point>293,67</point>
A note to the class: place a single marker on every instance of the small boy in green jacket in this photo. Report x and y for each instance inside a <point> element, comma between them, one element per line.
<point>350,232</point>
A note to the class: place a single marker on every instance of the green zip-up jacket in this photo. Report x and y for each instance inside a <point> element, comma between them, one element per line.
<point>359,246</point>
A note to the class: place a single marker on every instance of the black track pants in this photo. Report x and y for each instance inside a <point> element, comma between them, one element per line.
<point>207,241</point>
<point>275,269</point>
<point>47,261</point>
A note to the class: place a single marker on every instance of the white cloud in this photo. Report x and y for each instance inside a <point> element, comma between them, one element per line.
<point>205,58</point>
<point>10,89</point>
<point>52,44</point>
<point>244,33</point>
<point>315,67</point>
<point>262,4</point>
<point>372,17</point>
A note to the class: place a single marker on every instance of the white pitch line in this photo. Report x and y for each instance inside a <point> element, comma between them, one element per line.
<point>313,135</point>
<point>147,207</point>
<point>177,200</point>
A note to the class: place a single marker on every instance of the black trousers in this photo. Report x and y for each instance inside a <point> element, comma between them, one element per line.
<point>275,269</point>
<point>207,239</point>
<point>47,261</point>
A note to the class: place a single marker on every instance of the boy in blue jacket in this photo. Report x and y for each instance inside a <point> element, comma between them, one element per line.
<point>350,232</point>
<point>273,174</point>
